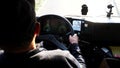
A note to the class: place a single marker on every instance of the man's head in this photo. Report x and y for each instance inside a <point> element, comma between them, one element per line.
<point>18,23</point>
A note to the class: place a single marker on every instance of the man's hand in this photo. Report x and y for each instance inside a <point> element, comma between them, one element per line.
<point>73,39</point>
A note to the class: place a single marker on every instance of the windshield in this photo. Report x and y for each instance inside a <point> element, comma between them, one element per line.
<point>73,7</point>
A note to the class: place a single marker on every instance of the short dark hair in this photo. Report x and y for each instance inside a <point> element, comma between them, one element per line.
<point>18,22</point>
<point>32,2</point>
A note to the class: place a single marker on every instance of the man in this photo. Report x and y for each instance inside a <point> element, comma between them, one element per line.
<point>17,39</point>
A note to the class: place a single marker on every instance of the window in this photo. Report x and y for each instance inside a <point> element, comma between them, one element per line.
<point>73,7</point>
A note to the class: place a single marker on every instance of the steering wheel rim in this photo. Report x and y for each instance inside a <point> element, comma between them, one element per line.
<point>50,37</point>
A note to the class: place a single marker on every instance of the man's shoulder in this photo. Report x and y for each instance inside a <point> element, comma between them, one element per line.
<point>63,58</point>
<point>54,53</point>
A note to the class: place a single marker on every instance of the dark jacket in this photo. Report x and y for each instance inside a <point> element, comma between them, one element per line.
<point>40,57</point>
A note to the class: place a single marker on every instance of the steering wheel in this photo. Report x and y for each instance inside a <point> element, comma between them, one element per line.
<point>55,29</point>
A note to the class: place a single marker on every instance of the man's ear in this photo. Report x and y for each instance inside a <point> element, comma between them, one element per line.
<point>37,28</point>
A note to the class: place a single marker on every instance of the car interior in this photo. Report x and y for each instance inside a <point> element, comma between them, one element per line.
<point>99,35</point>
<point>97,27</point>
<point>97,40</point>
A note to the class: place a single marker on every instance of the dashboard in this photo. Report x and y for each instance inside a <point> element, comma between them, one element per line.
<point>99,38</point>
<point>98,33</point>
<point>105,32</point>
<point>101,32</point>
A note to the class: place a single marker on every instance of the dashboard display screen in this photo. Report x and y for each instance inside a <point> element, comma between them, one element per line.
<point>76,25</point>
